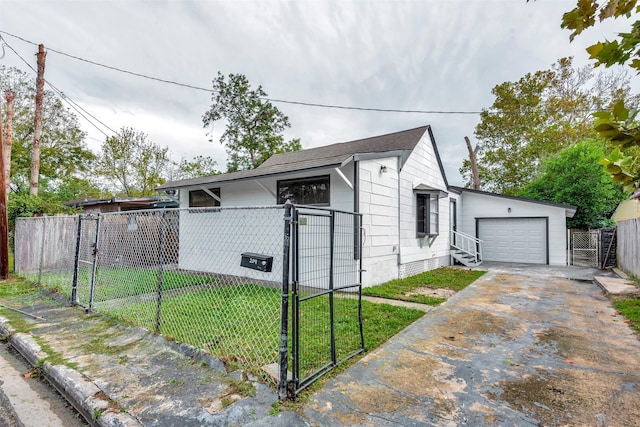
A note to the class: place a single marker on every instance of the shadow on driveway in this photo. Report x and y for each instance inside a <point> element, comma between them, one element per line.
<point>523,345</point>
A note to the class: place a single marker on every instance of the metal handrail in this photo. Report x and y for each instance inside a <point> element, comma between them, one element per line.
<point>467,243</point>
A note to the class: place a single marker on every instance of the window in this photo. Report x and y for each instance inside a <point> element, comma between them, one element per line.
<point>202,199</point>
<point>305,191</point>
<point>427,215</point>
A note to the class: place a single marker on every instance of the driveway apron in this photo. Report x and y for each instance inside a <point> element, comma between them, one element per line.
<point>521,346</point>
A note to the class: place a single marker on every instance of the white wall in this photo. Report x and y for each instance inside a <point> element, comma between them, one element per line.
<point>213,241</point>
<point>422,168</point>
<point>389,205</point>
<point>379,208</point>
<point>474,205</point>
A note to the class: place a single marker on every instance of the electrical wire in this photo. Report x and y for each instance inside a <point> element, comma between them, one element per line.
<point>282,101</point>
<point>74,105</point>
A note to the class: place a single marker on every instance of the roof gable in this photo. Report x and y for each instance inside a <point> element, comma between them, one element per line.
<point>333,155</point>
<point>404,140</point>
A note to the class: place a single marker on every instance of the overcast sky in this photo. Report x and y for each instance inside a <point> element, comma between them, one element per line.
<point>409,55</point>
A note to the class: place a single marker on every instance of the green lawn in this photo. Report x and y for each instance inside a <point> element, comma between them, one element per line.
<point>244,321</point>
<point>120,282</point>
<point>630,309</point>
<point>443,277</point>
<point>238,323</point>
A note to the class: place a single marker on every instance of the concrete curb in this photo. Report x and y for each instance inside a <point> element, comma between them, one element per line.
<point>83,394</point>
<point>616,286</point>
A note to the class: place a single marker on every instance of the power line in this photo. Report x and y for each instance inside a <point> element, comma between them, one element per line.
<point>282,101</point>
<point>74,105</point>
<point>200,88</point>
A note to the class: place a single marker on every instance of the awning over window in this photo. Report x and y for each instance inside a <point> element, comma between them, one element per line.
<point>425,189</point>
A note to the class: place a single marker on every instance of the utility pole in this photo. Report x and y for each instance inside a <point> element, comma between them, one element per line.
<point>8,141</point>
<point>37,123</point>
<point>4,226</point>
<point>475,175</point>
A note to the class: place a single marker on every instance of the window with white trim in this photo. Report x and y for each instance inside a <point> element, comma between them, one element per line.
<point>305,191</point>
<point>428,214</point>
<point>202,199</point>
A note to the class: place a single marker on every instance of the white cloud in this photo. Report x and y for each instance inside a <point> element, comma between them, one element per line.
<point>426,55</point>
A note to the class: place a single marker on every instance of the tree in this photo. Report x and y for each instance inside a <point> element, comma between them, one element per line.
<point>574,176</point>
<point>63,149</point>
<point>618,126</point>
<point>198,166</point>
<point>254,126</point>
<point>535,117</point>
<point>132,165</point>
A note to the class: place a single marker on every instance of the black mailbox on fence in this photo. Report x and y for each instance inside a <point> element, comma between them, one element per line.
<point>256,261</point>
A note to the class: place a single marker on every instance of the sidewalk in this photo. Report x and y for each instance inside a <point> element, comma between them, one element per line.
<point>125,376</point>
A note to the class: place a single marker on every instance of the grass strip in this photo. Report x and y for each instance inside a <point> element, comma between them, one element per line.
<point>443,277</point>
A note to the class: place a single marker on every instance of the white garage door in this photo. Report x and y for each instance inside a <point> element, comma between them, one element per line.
<point>514,239</point>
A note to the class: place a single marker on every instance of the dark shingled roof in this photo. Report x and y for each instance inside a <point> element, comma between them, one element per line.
<point>313,158</point>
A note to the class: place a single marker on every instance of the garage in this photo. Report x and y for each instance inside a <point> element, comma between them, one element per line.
<point>514,239</point>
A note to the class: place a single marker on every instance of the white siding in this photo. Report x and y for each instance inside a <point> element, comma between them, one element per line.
<point>474,205</point>
<point>389,205</point>
<point>422,168</point>
<point>379,206</point>
<point>213,242</point>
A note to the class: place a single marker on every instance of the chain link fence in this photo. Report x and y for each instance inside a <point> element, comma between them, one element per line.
<point>584,248</point>
<point>219,279</point>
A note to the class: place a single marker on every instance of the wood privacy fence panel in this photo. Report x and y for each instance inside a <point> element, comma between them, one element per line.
<point>45,244</point>
<point>629,246</point>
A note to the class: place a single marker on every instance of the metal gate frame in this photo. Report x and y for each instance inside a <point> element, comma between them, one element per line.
<point>297,384</point>
<point>93,245</point>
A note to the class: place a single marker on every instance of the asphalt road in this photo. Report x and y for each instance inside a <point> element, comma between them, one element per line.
<point>30,401</point>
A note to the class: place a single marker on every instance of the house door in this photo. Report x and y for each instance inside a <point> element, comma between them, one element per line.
<point>453,215</point>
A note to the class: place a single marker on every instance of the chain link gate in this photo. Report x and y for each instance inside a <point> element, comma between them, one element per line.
<point>584,248</point>
<point>86,251</point>
<point>326,294</point>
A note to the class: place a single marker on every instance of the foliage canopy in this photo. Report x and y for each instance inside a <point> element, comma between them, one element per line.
<point>254,125</point>
<point>535,117</point>
<point>576,177</point>
<point>618,125</point>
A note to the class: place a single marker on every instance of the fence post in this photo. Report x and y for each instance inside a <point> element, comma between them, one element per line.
<point>360,271</point>
<point>332,226</point>
<point>160,269</point>
<point>76,269</point>
<point>284,305</point>
<point>95,265</point>
<point>44,233</point>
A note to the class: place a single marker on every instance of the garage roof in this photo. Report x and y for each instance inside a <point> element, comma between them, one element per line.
<point>570,210</point>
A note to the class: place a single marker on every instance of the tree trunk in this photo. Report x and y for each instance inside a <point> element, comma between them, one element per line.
<point>475,175</point>
<point>37,123</point>
<point>8,139</point>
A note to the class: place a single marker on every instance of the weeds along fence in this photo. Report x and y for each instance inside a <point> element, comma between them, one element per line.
<point>252,286</point>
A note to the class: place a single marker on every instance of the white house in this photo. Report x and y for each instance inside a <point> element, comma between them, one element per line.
<point>412,219</point>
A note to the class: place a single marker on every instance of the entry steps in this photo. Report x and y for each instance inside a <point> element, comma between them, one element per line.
<point>466,249</point>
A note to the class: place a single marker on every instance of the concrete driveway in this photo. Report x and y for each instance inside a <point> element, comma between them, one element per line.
<point>523,345</point>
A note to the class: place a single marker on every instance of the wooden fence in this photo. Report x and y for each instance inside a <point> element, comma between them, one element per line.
<point>629,246</point>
